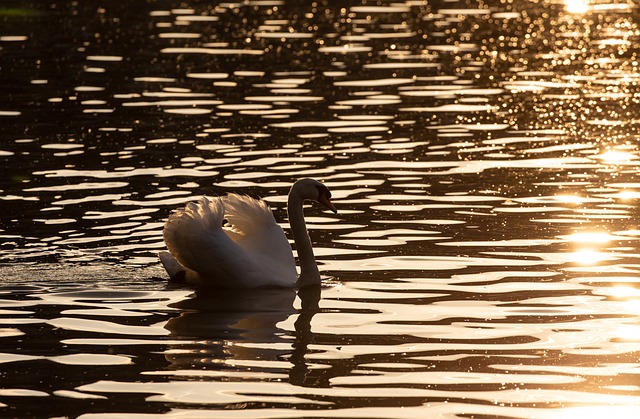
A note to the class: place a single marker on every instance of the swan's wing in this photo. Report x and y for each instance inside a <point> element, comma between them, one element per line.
<point>245,214</point>
<point>254,228</point>
<point>195,237</point>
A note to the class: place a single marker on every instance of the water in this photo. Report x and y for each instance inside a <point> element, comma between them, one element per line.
<point>483,156</point>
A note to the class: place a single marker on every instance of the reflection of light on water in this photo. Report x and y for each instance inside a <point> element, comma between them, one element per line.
<point>625,195</point>
<point>631,305</point>
<point>576,6</point>
<point>623,291</point>
<point>587,257</point>
<point>616,157</point>
<point>627,332</point>
<point>568,199</point>
<point>589,237</point>
<point>596,412</point>
<point>629,300</point>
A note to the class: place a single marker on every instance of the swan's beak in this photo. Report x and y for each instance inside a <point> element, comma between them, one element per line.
<point>324,200</point>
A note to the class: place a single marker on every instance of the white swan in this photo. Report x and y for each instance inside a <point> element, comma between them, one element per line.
<point>251,251</point>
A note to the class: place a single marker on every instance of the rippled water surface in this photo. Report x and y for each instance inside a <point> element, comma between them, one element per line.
<point>483,156</point>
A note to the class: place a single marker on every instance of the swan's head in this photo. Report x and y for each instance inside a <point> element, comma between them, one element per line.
<point>313,190</point>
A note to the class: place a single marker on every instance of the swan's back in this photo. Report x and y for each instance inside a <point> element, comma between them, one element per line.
<point>252,251</point>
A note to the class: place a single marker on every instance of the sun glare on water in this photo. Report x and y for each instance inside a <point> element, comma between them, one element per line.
<point>576,6</point>
<point>589,237</point>
<point>624,291</point>
<point>596,411</point>
<point>588,257</point>
<point>616,157</point>
<point>587,244</point>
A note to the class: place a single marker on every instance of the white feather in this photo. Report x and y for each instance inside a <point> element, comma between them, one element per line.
<point>252,251</point>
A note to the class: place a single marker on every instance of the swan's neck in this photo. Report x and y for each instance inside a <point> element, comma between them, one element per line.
<point>309,273</point>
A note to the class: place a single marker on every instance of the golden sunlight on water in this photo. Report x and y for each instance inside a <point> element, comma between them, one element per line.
<point>576,6</point>
<point>482,155</point>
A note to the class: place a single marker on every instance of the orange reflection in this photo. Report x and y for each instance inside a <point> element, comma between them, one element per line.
<point>587,243</point>
<point>632,307</point>
<point>616,157</point>
<point>626,194</point>
<point>588,257</point>
<point>569,199</point>
<point>623,291</point>
<point>576,6</point>
<point>629,304</point>
<point>589,237</point>
<point>607,409</point>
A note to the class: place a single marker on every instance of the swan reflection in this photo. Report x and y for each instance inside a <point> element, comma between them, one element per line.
<point>239,327</point>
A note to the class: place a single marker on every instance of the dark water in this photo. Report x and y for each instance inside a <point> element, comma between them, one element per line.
<point>483,156</point>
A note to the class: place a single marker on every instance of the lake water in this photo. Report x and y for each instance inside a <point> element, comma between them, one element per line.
<point>483,156</point>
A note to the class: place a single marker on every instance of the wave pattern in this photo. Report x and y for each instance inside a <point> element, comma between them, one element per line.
<point>483,157</point>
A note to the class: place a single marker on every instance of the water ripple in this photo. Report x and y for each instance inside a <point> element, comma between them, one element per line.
<point>482,156</point>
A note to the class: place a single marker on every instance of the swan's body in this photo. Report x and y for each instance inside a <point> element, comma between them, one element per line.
<point>252,251</point>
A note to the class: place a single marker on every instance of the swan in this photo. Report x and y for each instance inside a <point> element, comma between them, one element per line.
<point>252,251</point>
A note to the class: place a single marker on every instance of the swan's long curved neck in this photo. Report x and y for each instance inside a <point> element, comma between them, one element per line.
<point>309,273</point>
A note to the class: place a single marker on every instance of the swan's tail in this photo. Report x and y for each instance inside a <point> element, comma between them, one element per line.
<point>188,233</point>
<point>177,272</point>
